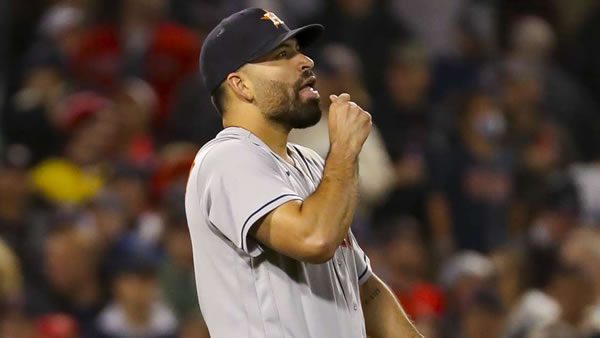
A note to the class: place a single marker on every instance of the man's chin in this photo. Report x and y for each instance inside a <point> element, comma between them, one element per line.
<point>307,114</point>
<point>308,120</point>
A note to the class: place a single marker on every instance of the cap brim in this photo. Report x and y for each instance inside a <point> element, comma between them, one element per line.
<point>305,35</point>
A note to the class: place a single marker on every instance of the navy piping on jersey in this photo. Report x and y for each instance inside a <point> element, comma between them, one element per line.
<point>243,242</point>
<point>366,266</point>
<point>364,272</point>
<point>308,167</point>
<point>337,277</point>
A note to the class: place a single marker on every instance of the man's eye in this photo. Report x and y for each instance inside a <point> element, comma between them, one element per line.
<point>282,54</point>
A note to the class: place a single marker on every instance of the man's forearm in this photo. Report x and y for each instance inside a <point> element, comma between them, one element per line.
<point>333,204</point>
<point>312,230</point>
<point>384,316</point>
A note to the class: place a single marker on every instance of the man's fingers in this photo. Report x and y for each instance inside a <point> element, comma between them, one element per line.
<point>333,98</point>
<point>345,97</point>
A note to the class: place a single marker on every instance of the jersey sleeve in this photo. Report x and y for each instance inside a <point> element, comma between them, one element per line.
<point>363,264</point>
<point>242,184</point>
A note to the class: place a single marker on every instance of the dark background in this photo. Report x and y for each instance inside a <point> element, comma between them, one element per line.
<point>480,185</point>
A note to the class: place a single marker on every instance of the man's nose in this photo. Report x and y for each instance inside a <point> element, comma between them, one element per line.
<point>306,63</point>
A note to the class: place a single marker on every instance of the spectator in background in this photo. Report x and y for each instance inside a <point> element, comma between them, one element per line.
<point>128,196</point>
<point>555,216</point>
<point>484,317</point>
<point>463,277</point>
<point>72,283</point>
<point>193,118</point>
<point>32,112</point>
<point>582,249</point>
<point>194,327</point>
<point>202,15</point>
<point>404,264</point>
<point>340,71</point>
<point>510,11</point>
<point>467,67</point>
<point>543,146</point>
<point>586,176</point>
<point>59,34</point>
<point>532,43</point>
<point>583,52</point>
<point>108,225</point>
<point>554,330</point>
<point>123,214</point>
<point>135,105</point>
<point>472,181</point>
<point>143,43</point>
<point>11,280</point>
<point>176,272</point>
<point>57,326</point>
<point>172,173</point>
<point>22,220</point>
<point>14,324</point>
<point>509,265</point>
<point>367,27</point>
<point>294,12</point>
<point>433,22</point>
<point>78,175</point>
<point>136,309</point>
<point>405,118</point>
<point>562,299</point>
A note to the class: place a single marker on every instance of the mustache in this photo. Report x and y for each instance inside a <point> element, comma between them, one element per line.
<point>306,74</point>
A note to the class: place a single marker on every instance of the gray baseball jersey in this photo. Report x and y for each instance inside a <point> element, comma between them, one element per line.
<point>246,289</point>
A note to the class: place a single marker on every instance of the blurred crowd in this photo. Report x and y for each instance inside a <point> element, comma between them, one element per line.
<point>479,185</point>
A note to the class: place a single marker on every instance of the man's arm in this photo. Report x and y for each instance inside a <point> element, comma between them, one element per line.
<point>312,230</point>
<point>384,316</point>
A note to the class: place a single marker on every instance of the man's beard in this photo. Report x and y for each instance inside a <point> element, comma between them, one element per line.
<point>288,109</point>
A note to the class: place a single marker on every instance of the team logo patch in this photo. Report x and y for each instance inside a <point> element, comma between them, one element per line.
<point>274,19</point>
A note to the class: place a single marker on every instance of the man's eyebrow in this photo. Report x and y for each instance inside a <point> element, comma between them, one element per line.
<point>287,44</point>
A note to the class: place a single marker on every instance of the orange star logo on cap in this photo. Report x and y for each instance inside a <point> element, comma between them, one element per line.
<point>274,19</point>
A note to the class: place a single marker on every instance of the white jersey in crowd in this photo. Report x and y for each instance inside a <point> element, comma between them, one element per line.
<point>246,289</point>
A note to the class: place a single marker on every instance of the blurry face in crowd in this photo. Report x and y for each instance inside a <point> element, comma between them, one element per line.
<point>406,256</point>
<point>14,187</point>
<point>509,279</point>
<point>194,328</point>
<point>354,7</point>
<point>481,323</point>
<point>485,118</point>
<point>282,83</point>
<point>550,226</point>
<point>15,325</point>
<point>133,194</point>
<point>145,8</point>
<point>136,292</point>
<point>582,249</point>
<point>521,95</point>
<point>574,293</point>
<point>179,247</point>
<point>428,326</point>
<point>109,223</point>
<point>69,261</point>
<point>95,138</point>
<point>408,83</point>
<point>133,116</point>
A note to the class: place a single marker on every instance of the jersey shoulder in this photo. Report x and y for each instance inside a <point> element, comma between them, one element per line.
<point>231,152</point>
<point>308,153</point>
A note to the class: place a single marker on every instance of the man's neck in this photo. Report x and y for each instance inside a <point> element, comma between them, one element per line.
<point>273,135</point>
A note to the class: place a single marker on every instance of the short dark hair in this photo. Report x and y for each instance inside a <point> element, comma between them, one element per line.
<point>218,98</point>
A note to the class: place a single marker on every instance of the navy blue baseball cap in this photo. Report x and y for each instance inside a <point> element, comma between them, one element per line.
<point>244,37</point>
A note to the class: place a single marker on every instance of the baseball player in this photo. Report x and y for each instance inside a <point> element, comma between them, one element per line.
<point>269,220</point>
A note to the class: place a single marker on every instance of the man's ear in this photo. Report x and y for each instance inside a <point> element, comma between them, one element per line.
<point>240,86</point>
